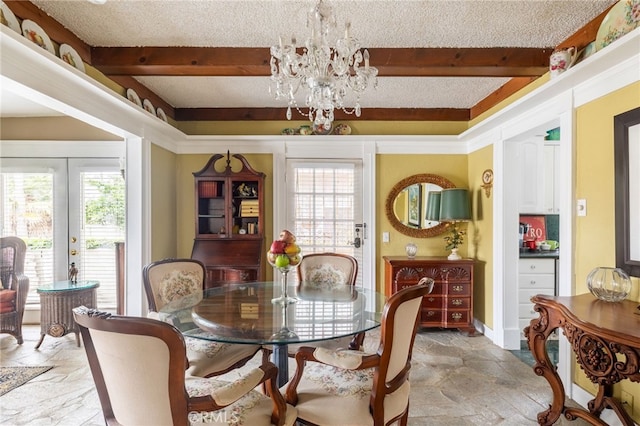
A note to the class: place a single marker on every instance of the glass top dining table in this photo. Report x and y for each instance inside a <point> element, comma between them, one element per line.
<point>245,314</point>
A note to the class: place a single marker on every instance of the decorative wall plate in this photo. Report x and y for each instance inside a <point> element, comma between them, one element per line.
<point>487,176</point>
<point>623,17</point>
<point>148,106</point>
<point>161,115</point>
<point>34,33</point>
<point>70,56</point>
<point>8,18</point>
<point>133,97</point>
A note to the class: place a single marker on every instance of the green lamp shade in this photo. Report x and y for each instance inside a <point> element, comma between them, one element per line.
<point>454,205</point>
<point>433,206</point>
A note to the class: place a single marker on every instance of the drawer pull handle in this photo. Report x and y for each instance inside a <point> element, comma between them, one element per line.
<point>431,299</point>
<point>533,281</point>
<point>533,266</point>
<point>457,288</point>
<point>456,302</point>
<point>456,316</point>
<point>430,313</point>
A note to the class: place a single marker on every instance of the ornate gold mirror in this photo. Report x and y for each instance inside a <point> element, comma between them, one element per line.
<point>406,205</point>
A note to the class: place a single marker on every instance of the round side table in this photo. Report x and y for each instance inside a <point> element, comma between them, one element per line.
<point>56,303</point>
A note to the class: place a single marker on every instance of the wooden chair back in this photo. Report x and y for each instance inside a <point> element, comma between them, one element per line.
<point>399,324</point>
<point>138,366</point>
<point>14,287</point>
<point>326,269</point>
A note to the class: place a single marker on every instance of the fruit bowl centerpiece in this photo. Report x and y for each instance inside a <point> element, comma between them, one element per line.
<point>284,255</point>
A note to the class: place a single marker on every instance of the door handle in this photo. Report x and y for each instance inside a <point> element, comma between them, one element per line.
<point>357,242</point>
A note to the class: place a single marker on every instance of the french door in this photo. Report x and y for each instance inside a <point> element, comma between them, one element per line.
<point>324,207</point>
<point>67,211</point>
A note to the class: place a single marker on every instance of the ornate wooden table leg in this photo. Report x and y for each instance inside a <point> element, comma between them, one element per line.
<point>537,333</point>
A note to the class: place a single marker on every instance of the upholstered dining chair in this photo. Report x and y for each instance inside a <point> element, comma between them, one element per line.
<point>319,272</point>
<point>138,366</point>
<point>356,388</point>
<point>324,271</point>
<point>15,286</point>
<point>168,279</point>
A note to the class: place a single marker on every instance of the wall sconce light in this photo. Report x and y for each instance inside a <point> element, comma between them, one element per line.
<point>487,182</point>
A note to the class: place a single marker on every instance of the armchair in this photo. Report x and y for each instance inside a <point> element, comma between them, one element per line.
<point>361,388</point>
<point>138,366</point>
<point>15,286</point>
<point>169,279</point>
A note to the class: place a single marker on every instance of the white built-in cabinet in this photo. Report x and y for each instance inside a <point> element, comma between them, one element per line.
<point>551,154</point>
<point>538,161</point>
<point>535,276</point>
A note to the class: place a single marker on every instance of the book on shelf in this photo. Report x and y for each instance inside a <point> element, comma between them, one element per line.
<point>252,228</point>
<point>208,189</point>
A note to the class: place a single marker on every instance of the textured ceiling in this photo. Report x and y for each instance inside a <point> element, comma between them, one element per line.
<point>376,24</point>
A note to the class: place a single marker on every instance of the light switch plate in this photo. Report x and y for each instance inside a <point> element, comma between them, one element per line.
<point>385,237</point>
<point>581,207</point>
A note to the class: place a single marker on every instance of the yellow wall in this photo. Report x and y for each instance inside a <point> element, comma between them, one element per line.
<point>357,127</point>
<point>186,165</point>
<point>390,170</point>
<point>163,204</point>
<point>595,233</point>
<point>480,239</point>
<point>52,129</point>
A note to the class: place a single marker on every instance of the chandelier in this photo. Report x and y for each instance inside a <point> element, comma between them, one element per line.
<point>329,73</point>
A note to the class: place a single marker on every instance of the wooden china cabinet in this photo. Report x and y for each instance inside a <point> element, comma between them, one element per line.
<point>229,221</point>
<point>450,304</point>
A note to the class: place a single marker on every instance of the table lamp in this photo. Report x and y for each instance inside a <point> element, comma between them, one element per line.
<point>454,208</point>
<point>433,207</point>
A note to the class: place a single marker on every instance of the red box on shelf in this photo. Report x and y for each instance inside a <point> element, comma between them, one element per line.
<point>208,189</point>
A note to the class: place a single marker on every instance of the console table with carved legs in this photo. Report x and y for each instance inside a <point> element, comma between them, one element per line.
<point>605,338</point>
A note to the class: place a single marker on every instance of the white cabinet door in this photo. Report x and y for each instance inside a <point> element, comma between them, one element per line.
<point>532,176</point>
<point>551,193</point>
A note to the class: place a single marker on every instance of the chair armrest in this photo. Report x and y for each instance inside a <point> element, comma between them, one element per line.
<point>20,284</point>
<point>342,358</point>
<point>235,390</point>
<point>228,394</point>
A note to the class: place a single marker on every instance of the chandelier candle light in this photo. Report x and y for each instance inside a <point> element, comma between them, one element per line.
<point>330,73</point>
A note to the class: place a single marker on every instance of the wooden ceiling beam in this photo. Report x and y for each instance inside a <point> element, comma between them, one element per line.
<point>254,61</point>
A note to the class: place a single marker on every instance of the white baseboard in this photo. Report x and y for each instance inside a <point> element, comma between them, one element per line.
<point>583,397</point>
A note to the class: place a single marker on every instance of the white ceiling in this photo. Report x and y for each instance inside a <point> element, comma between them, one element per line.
<point>376,24</point>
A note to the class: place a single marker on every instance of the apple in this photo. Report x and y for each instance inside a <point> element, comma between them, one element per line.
<point>278,247</point>
<point>282,261</point>
<point>271,257</point>
<point>287,237</point>
<point>294,260</point>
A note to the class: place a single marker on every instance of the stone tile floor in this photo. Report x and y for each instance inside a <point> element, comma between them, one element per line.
<point>456,380</point>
